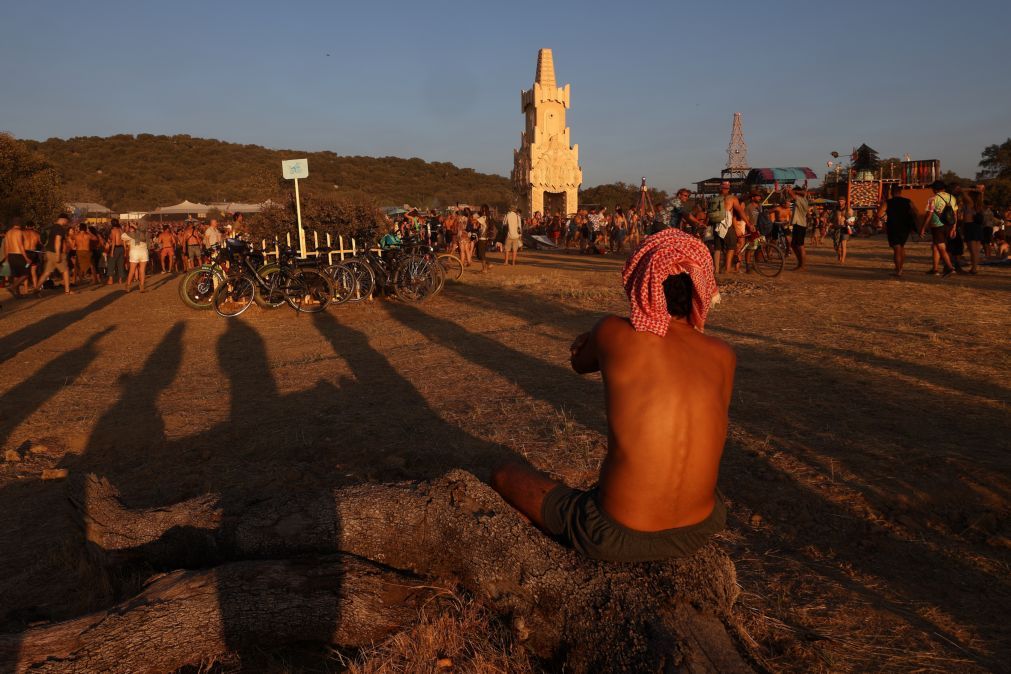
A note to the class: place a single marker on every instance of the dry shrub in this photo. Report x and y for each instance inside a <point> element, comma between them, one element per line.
<point>454,634</point>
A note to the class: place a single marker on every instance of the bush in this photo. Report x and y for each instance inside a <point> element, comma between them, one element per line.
<point>349,214</point>
<point>29,186</point>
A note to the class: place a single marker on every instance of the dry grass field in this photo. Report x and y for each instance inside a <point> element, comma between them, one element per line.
<point>866,468</point>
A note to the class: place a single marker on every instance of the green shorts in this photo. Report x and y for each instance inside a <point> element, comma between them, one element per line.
<point>577,519</point>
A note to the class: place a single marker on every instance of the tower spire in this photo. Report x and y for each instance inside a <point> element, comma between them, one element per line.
<point>737,151</point>
<point>545,69</point>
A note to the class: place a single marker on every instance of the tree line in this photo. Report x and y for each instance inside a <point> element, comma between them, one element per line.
<point>127,172</point>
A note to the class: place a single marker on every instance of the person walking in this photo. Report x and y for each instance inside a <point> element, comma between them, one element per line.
<point>166,250</point>
<point>513,225</point>
<point>484,233</point>
<point>900,220</point>
<point>55,254</point>
<point>972,228</point>
<point>941,217</point>
<point>799,221</point>
<point>843,227</point>
<point>136,239</point>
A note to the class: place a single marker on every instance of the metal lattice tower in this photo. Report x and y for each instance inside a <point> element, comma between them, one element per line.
<point>737,151</point>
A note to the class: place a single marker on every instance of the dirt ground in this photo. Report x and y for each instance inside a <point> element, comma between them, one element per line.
<point>866,467</point>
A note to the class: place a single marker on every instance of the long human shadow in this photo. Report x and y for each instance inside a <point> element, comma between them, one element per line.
<point>545,381</point>
<point>22,500</point>
<point>564,265</point>
<point>524,305</point>
<point>236,460</point>
<point>915,274</point>
<point>30,335</point>
<point>20,402</point>
<point>374,425</point>
<point>911,568</point>
<point>930,375</point>
<point>401,432</point>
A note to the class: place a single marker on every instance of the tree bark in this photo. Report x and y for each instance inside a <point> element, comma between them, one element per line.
<point>193,617</point>
<point>573,612</point>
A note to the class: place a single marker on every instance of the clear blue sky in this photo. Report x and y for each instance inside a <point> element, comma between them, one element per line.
<point>654,85</point>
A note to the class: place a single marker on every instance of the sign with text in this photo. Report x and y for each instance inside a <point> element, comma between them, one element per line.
<point>295,168</point>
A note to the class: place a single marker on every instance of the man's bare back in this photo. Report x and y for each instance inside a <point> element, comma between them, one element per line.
<point>667,390</point>
<point>667,400</point>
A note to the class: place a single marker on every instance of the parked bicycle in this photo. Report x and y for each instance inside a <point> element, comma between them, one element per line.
<point>197,286</point>
<point>303,288</point>
<point>412,273</point>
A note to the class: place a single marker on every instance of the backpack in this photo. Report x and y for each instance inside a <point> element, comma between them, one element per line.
<point>764,224</point>
<point>947,214</point>
<point>717,210</point>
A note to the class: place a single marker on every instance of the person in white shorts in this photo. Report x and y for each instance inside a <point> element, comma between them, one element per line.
<point>514,234</point>
<point>136,240</point>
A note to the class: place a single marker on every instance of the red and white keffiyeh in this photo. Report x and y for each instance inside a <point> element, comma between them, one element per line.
<point>668,252</point>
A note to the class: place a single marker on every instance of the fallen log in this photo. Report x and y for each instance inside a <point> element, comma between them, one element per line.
<point>194,617</point>
<point>572,612</point>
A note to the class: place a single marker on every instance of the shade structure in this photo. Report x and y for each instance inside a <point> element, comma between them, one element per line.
<point>182,208</point>
<point>88,207</point>
<point>768,176</point>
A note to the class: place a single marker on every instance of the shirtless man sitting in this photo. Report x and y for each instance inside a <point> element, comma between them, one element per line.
<point>667,390</point>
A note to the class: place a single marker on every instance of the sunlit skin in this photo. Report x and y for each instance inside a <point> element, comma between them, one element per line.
<point>666,400</point>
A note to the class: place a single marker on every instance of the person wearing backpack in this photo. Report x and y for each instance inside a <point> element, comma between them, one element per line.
<point>942,220</point>
<point>720,215</point>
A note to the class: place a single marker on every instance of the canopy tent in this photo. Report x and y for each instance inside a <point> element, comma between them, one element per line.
<point>183,208</point>
<point>236,207</point>
<point>789,175</point>
<point>88,207</point>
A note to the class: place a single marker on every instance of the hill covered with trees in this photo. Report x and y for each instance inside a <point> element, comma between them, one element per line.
<point>141,172</point>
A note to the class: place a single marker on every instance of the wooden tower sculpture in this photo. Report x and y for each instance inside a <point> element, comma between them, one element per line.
<point>546,173</point>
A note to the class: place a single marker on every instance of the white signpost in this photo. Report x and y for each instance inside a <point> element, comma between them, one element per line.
<point>293,169</point>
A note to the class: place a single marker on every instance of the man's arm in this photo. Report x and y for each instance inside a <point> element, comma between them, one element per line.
<point>583,354</point>
<point>926,216</point>
<point>881,212</point>
<point>739,210</point>
<point>587,349</point>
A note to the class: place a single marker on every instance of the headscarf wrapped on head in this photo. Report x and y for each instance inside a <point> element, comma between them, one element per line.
<point>668,252</point>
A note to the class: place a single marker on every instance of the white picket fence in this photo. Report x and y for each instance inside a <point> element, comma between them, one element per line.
<point>272,249</point>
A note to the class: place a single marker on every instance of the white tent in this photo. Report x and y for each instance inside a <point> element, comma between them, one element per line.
<point>183,208</point>
<point>88,207</point>
<point>237,207</point>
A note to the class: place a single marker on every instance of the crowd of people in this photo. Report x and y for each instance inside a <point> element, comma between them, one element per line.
<point>963,234</point>
<point>117,253</point>
<point>728,223</point>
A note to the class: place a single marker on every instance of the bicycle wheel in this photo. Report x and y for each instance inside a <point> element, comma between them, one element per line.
<point>768,259</point>
<point>196,288</point>
<point>306,290</point>
<point>355,280</point>
<point>452,264</point>
<point>415,280</point>
<point>234,296</point>
<point>438,274</point>
<point>272,298</point>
